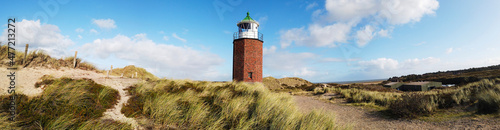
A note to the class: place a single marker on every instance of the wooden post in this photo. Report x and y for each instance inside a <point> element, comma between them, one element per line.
<point>111,70</point>
<point>74,60</point>
<point>135,74</point>
<point>107,73</point>
<point>25,53</point>
<point>132,75</point>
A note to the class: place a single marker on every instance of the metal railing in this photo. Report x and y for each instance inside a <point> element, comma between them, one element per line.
<point>259,35</point>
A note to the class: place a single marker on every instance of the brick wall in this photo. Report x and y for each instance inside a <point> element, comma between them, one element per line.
<point>247,57</point>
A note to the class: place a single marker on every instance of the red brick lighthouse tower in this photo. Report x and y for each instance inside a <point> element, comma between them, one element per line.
<point>247,51</point>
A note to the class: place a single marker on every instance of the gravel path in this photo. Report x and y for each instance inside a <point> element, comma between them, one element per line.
<point>357,118</point>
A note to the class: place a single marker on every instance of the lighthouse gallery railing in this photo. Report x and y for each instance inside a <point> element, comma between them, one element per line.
<point>259,35</point>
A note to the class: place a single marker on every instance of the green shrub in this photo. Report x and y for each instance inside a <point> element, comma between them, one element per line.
<point>412,105</point>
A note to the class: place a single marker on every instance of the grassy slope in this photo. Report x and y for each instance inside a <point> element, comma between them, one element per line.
<point>285,83</point>
<point>64,104</point>
<point>459,77</point>
<point>39,58</point>
<point>482,97</point>
<point>195,105</point>
<point>130,70</point>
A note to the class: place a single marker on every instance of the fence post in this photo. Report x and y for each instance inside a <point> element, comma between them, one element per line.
<point>111,70</point>
<point>74,60</point>
<point>25,53</point>
<point>135,74</point>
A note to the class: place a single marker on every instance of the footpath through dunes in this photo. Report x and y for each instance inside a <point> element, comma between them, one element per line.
<point>357,118</point>
<point>27,77</point>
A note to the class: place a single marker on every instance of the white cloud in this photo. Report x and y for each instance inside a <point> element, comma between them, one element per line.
<point>170,61</point>
<point>161,32</point>
<point>312,5</point>
<point>449,50</point>
<point>79,30</point>
<point>286,61</point>
<point>227,32</point>
<point>317,35</point>
<point>337,60</point>
<point>178,38</point>
<point>380,64</point>
<point>93,31</point>
<point>80,37</point>
<point>394,11</point>
<point>269,50</point>
<point>421,43</point>
<point>165,38</point>
<point>419,63</point>
<point>365,35</point>
<point>388,64</point>
<point>304,72</point>
<point>40,36</point>
<point>384,33</point>
<point>289,64</point>
<point>332,60</point>
<point>333,24</point>
<point>104,23</point>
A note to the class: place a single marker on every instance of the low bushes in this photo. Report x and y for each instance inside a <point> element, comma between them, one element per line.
<point>482,96</point>
<point>412,105</point>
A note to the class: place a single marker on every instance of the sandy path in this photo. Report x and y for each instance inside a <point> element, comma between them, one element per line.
<point>27,77</point>
<point>358,118</point>
<point>115,113</point>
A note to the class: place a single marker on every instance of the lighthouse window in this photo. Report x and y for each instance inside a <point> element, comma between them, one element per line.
<point>245,26</point>
<point>250,75</point>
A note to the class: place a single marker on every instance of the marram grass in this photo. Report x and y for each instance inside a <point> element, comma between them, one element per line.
<point>64,104</point>
<point>203,105</point>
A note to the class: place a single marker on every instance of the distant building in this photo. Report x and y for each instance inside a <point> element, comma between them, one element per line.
<point>393,85</point>
<point>413,86</point>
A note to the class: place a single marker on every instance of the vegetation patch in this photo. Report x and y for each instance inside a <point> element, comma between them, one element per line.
<point>288,83</point>
<point>130,71</point>
<point>64,104</point>
<point>203,105</point>
<point>38,58</point>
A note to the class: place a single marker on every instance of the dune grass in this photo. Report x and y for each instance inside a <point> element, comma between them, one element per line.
<point>39,58</point>
<point>130,71</point>
<point>64,104</point>
<point>204,105</point>
<point>287,83</point>
<point>482,97</point>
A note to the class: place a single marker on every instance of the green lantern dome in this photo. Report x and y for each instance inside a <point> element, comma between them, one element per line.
<point>248,18</point>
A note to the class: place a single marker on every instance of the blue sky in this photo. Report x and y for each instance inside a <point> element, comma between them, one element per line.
<point>321,41</point>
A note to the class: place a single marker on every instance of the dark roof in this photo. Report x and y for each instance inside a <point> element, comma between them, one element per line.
<point>417,83</point>
<point>392,83</point>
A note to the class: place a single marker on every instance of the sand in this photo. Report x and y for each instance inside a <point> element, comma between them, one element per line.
<point>26,78</point>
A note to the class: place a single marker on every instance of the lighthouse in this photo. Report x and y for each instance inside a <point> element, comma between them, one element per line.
<point>247,51</point>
